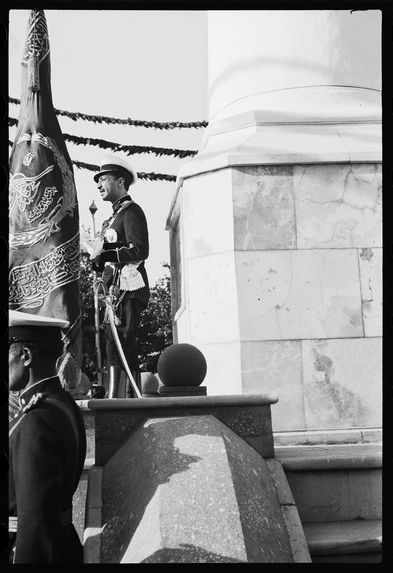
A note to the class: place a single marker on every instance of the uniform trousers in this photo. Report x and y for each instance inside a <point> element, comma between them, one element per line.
<point>129,312</point>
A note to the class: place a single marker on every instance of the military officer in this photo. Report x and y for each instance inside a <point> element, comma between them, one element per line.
<point>124,248</point>
<point>47,445</point>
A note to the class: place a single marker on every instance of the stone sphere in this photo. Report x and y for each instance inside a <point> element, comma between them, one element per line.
<point>182,365</point>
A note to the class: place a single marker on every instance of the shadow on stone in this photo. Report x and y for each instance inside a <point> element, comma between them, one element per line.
<point>187,553</point>
<point>188,489</point>
<point>132,477</point>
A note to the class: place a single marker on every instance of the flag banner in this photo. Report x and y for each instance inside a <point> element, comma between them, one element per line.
<point>43,210</point>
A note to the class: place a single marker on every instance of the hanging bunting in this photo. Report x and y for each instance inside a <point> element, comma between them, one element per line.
<point>128,149</point>
<point>75,116</point>
<point>141,174</point>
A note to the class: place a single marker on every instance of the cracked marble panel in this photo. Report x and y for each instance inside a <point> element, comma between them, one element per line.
<point>263,208</point>
<point>207,213</point>
<point>276,367</point>
<point>370,264</point>
<point>342,383</point>
<point>338,205</point>
<point>299,294</point>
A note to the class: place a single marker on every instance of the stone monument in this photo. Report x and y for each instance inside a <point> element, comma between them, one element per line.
<point>275,226</point>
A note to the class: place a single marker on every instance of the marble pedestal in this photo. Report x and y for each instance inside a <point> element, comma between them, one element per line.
<point>278,283</point>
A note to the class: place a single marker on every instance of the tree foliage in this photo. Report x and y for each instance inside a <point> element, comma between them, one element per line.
<point>155,331</point>
<point>89,354</point>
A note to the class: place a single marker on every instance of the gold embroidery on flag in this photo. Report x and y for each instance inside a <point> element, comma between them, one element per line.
<point>44,203</point>
<point>26,188</point>
<point>37,43</point>
<point>31,283</point>
<point>23,190</point>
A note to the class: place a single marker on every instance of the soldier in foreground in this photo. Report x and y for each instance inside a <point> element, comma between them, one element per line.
<point>47,446</point>
<point>120,252</point>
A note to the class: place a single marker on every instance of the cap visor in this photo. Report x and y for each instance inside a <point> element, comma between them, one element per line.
<point>98,175</point>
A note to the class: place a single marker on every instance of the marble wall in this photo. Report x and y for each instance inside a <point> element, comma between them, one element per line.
<point>283,267</point>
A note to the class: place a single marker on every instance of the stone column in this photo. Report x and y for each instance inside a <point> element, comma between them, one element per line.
<point>275,226</point>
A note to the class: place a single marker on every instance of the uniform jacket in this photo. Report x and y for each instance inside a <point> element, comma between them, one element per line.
<point>45,468</point>
<point>131,244</point>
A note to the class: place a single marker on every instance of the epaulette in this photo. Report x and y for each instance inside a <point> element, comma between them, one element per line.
<point>35,399</point>
<point>123,207</point>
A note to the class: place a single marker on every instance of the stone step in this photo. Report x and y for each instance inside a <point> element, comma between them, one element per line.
<point>333,436</point>
<point>329,456</point>
<point>346,541</point>
<point>334,482</point>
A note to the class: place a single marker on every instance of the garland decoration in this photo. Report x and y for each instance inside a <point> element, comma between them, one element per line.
<point>128,149</point>
<point>75,116</point>
<point>141,175</point>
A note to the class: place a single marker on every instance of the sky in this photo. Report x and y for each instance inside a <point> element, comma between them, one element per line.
<point>145,64</point>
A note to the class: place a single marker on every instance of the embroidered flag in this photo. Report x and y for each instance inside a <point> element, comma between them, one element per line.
<point>44,221</point>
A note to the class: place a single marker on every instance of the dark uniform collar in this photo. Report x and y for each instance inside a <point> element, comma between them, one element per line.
<point>40,386</point>
<point>120,201</point>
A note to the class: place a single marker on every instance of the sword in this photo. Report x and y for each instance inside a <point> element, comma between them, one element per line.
<point>111,316</point>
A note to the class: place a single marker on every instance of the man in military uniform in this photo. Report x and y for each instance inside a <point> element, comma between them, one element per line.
<point>121,254</point>
<point>47,445</point>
